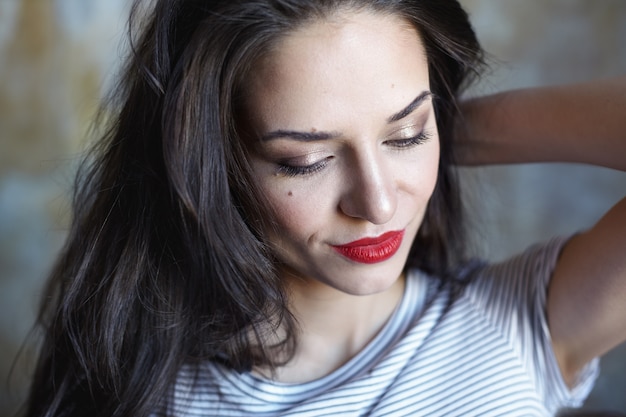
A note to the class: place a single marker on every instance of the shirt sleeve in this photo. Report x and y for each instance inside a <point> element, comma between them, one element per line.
<point>513,294</point>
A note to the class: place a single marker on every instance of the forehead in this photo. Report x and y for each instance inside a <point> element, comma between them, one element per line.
<point>352,64</point>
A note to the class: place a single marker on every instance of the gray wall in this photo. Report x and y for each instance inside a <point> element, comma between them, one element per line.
<point>55,56</point>
<point>537,43</point>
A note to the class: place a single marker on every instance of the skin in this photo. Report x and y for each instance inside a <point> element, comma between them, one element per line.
<point>583,123</point>
<point>365,173</point>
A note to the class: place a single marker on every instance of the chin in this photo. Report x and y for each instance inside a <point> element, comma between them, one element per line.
<point>368,280</point>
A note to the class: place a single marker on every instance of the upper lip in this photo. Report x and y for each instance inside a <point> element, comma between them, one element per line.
<point>370,241</point>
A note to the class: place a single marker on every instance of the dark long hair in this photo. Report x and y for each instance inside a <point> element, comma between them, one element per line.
<point>166,262</point>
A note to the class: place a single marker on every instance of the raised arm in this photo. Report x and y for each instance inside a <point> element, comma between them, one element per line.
<point>583,123</point>
<point>573,123</point>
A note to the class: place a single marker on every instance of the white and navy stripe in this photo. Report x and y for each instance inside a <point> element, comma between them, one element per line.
<point>485,353</point>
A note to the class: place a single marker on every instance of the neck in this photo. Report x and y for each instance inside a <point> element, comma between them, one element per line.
<point>334,326</point>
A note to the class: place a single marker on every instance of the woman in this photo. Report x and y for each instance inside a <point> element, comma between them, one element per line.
<point>271,226</point>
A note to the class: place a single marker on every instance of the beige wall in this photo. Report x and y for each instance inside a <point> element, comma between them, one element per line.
<point>55,56</point>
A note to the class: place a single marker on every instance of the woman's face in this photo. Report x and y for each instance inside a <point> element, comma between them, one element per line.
<point>345,148</point>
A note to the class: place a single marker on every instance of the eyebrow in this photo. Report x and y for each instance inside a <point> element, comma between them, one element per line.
<point>299,136</point>
<point>313,136</point>
<point>411,107</point>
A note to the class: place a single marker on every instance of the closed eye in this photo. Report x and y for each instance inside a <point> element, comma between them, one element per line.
<point>301,170</point>
<point>418,139</point>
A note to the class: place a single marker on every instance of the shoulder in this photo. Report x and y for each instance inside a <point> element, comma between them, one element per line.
<point>509,296</point>
<point>527,274</point>
<point>523,278</point>
<point>196,391</point>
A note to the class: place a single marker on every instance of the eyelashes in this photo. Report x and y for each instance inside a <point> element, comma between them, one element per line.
<point>418,139</point>
<point>295,170</point>
<point>290,170</point>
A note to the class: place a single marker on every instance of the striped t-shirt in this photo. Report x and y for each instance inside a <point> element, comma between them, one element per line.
<point>487,352</point>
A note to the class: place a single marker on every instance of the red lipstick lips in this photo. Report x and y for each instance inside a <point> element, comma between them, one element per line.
<point>371,250</point>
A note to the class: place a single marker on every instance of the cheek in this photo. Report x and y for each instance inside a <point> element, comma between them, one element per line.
<point>431,176</point>
<point>296,211</point>
<point>421,173</point>
<point>432,166</point>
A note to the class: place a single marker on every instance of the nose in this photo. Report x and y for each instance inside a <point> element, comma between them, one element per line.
<point>370,192</point>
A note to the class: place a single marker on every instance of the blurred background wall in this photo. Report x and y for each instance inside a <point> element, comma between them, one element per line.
<point>57,57</point>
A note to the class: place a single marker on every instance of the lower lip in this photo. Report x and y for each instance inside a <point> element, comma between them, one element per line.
<point>372,250</point>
